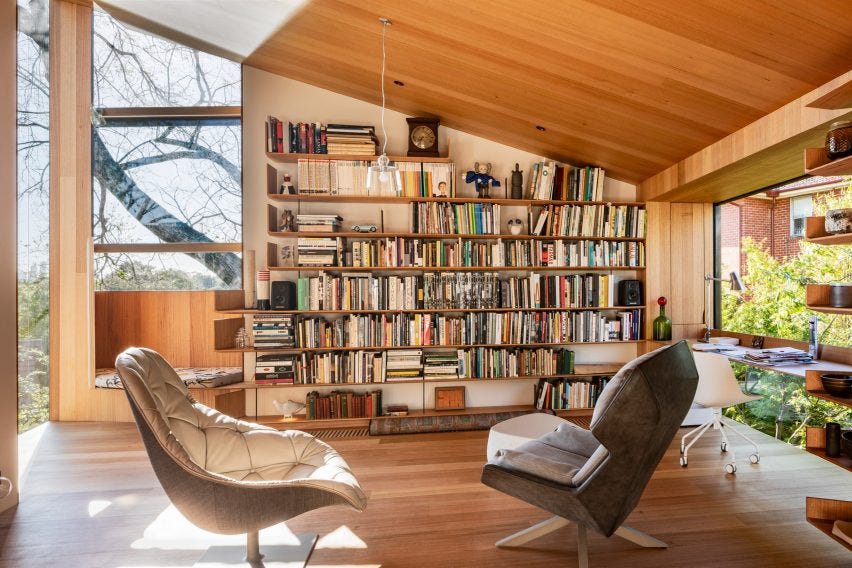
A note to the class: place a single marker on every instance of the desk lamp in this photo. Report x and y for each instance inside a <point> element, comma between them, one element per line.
<point>736,285</point>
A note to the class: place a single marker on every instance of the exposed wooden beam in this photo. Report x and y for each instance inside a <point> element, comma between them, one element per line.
<point>766,152</point>
<point>168,247</point>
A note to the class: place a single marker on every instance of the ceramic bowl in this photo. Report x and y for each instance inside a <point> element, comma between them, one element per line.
<point>846,442</point>
<point>837,384</point>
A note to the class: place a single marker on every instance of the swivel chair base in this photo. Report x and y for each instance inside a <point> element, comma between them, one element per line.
<point>252,556</point>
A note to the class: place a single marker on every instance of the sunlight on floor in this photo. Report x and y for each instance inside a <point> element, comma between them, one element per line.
<point>97,506</point>
<point>342,537</point>
<point>27,444</point>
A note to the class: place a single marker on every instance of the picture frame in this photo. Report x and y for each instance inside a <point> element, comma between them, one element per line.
<point>449,398</point>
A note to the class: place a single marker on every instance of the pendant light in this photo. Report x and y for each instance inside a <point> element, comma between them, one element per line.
<point>383,178</point>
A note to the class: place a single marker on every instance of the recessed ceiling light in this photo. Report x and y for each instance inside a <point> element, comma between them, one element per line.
<point>399,83</point>
<point>540,127</point>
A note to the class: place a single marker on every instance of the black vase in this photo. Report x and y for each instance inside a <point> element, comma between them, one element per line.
<point>832,439</point>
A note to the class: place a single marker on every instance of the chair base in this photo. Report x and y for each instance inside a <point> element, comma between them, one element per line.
<point>274,556</point>
<point>554,523</point>
<point>717,424</point>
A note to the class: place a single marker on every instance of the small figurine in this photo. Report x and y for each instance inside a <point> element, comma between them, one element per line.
<point>287,222</point>
<point>481,177</point>
<point>288,408</point>
<point>515,226</point>
<point>287,187</point>
<point>517,183</point>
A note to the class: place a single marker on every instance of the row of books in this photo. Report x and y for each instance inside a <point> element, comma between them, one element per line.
<point>477,328</point>
<point>317,138</point>
<point>318,251</point>
<point>275,369</point>
<point>596,220</point>
<point>548,180</point>
<point>272,331</point>
<point>564,394</point>
<point>403,251</point>
<point>349,178</point>
<point>455,218</point>
<point>343,404</point>
<point>454,290</point>
<point>362,367</point>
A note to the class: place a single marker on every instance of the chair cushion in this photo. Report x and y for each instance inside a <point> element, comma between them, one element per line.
<point>557,456</point>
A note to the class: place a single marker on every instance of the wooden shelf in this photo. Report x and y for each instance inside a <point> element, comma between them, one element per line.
<point>389,347</point>
<point>299,422</point>
<point>425,311</point>
<point>818,164</point>
<point>822,513</point>
<point>451,268</point>
<point>581,371</point>
<point>815,233</point>
<point>816,298</point>
<point>301,197</point>
<point>813,385</point>
<point>445,236</point>
<point>836,99</point>
<point>287,157</point>
<point>815,444</point>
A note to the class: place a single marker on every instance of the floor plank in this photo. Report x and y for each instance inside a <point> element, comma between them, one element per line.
<point>91,500</point>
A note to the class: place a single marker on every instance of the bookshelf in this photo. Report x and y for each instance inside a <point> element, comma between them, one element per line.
<point>364,209</point>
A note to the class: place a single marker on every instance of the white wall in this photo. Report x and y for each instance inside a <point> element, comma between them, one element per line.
<point>8,276</point>
<point>266,94</point>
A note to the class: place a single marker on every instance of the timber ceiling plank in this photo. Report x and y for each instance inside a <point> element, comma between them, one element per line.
<point>631,86</point>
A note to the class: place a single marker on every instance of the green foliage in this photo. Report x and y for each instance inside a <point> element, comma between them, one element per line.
<point>33,389</point>
<point>129,275</point>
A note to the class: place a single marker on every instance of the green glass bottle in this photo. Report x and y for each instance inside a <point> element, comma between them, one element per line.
<point>662,324</point>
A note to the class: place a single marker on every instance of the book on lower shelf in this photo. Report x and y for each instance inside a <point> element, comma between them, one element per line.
<point>567,394</point>
<point>343,404</point>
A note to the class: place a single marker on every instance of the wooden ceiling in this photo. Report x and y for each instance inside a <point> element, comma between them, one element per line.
<point>631,85</point>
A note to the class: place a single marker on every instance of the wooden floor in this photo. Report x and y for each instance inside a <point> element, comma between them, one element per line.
<point>91,500</point>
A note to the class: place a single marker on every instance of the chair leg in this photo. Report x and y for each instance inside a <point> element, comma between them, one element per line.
<point>638,537</point>
<point>582,547</point>
<point>533,532</point>
<point>755,449</point>
<point>253,555</point>
<point>698,432</point>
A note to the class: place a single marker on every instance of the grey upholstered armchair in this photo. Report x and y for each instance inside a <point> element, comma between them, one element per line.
<point>225,475</point>
<point>595,477</point>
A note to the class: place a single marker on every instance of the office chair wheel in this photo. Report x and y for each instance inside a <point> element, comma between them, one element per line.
<point>724,446</point>
<point>754,458</point>
<point>682,462</point>
<point>730,468</point>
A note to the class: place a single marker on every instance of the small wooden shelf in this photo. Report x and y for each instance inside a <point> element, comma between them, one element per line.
<point>387,347</point>
<point>425,311</point>
<point>287,157</point>
<point>816,298</point>
<point>301,423</point>
<point>815,233</point>
<point>836,99</point>
<point>445,236</point>
<point>451,268</point>
<point>815,444</point>
<point>818,164</point>
<point>813,385</point>
<point>302,197</point>
<point>822,513</point>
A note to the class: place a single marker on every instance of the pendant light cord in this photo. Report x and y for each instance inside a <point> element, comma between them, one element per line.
<point>385,23</point>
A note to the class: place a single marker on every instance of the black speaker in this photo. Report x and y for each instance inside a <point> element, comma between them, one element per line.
<point>283,295</point>
<point>629,293</point>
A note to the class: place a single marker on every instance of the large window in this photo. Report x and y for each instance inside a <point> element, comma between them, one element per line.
<point>33,211</point>
<point>166,149</point>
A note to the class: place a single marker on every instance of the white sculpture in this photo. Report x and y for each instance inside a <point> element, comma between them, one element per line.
<point>288,408</point>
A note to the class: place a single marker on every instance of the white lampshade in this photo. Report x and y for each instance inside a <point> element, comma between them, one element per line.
<point>383,178</point>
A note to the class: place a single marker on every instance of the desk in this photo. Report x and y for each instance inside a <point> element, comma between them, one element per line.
<point>799,370</point>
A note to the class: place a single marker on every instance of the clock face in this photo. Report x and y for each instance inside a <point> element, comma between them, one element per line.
<point>422,137</point>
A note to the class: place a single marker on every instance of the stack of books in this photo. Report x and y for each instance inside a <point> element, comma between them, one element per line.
<point>274,331</point>
<point>343,404</point>
<point>318,223</point>
<point>441,366</point>
<point>275,369</point>
<point>318,251</point>
<point>403,365</point>
<point>351,139</point>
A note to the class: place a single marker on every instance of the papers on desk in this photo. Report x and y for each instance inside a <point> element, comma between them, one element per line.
<point>779,356</point>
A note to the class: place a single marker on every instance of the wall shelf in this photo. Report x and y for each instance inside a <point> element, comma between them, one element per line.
<point>818,164</point>
<point>386,347</point>
<point>446,236</point>
<point>450,268</point>
<point>822,513</point>
<point>287,157</point>
<point>815,233</point>
<point>425,311</point>
<point>816,298</point>
<point>322,198</point>
<point>815,444</point>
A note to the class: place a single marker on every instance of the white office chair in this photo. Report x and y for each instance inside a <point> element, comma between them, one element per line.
<point>717,389</point>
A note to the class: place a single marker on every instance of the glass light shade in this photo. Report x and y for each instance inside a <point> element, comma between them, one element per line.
<point>383,178</point>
